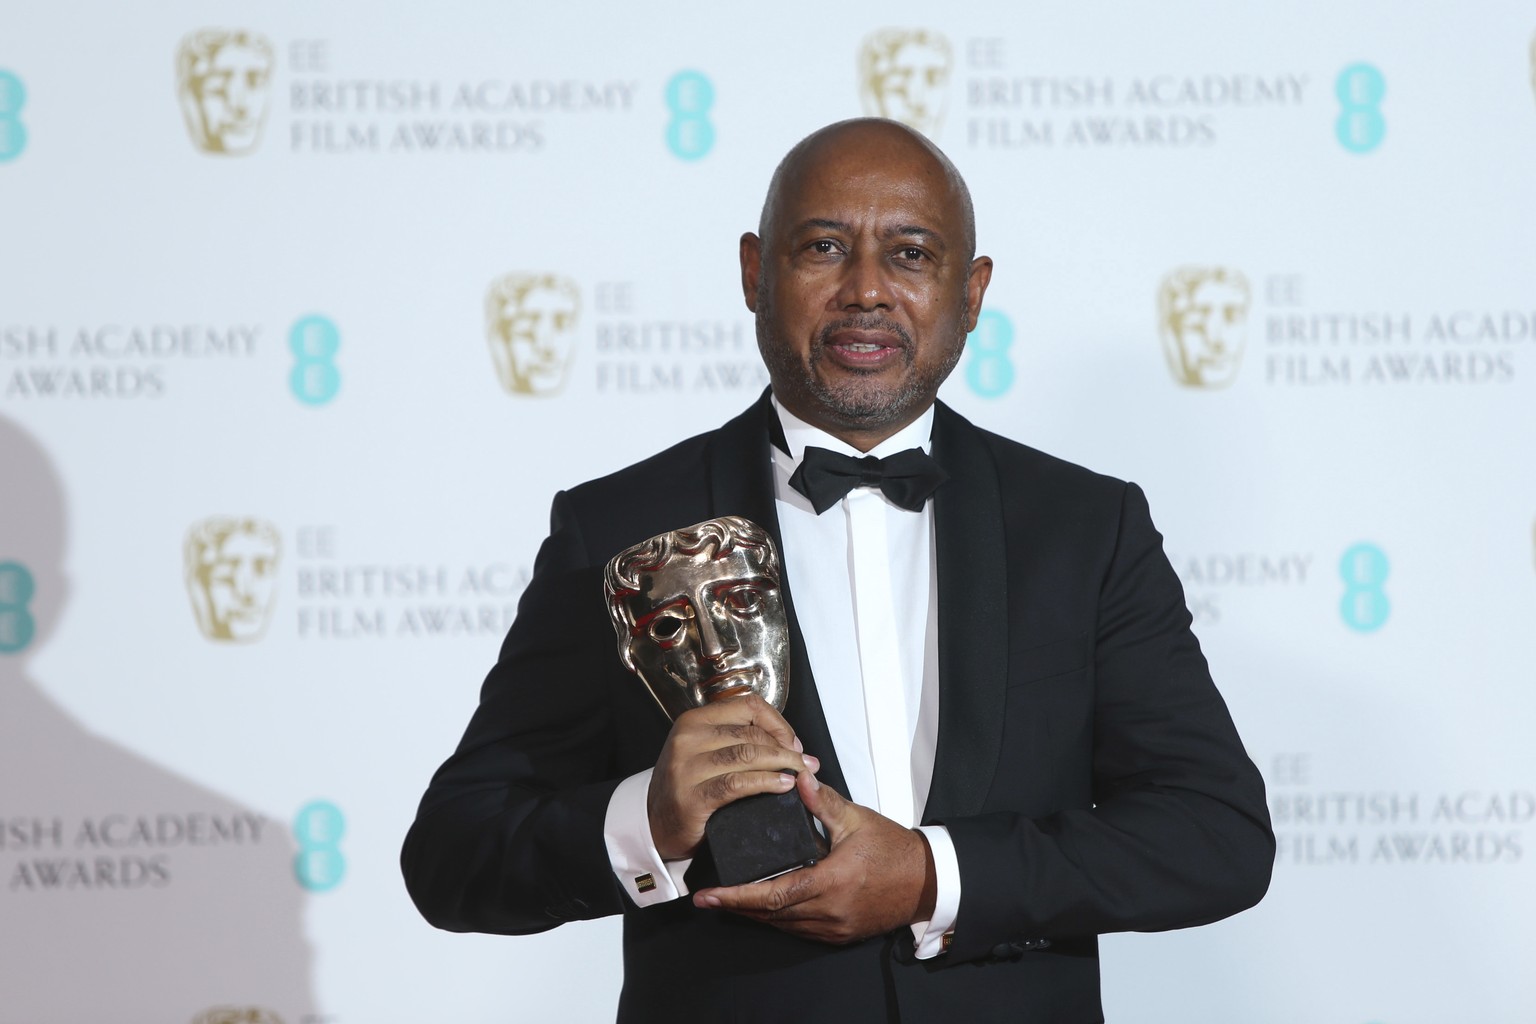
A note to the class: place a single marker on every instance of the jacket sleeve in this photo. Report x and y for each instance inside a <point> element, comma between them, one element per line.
<point>1177,833</point>
<point>509,836</point>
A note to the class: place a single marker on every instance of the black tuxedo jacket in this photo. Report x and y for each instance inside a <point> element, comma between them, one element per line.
<point>1087,769</point>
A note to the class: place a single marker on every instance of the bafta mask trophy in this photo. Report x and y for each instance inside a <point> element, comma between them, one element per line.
<point>699,617</point>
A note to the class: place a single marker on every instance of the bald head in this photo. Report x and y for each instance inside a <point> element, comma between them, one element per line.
<point>869,142</point>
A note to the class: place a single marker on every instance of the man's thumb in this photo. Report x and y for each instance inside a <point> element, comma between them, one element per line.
<point>826,803</point>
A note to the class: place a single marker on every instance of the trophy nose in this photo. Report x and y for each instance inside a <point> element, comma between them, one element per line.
<point>716,637</point>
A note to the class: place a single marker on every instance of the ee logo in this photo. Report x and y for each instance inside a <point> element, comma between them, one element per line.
<point>1365,606</point>
<point>13,134</point>
<point>988,371</point>
<point>319,864</point>
<point>689,96</point>
<point>16,623</point>
<point>313,340</point>
<point>1360,127</point>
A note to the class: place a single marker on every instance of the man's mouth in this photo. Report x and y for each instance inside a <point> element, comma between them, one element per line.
<point>864,349</point>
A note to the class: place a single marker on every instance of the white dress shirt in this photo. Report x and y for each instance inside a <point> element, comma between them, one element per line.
<point>862,579</point>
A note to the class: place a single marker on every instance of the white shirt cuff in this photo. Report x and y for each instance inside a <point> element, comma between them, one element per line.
<point>928,936</point>
<point>627,832</point>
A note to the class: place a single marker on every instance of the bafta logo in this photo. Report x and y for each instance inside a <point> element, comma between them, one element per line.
<point>530,322</point>
<point>904,75</point>
<point>231,574</point>
<point>237,1015</point>
<point>1202,315</point>
<point>221,79</point>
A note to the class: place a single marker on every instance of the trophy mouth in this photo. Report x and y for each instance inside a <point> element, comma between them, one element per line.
<point>736,683</point>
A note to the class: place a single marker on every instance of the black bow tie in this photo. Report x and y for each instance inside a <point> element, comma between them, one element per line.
<point>908,478</point>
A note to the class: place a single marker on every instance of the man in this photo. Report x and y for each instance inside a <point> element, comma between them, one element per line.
<point>1007,663</point>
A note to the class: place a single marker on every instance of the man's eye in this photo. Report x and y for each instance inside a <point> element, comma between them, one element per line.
<point>913,254</point>
<point>824,246</point>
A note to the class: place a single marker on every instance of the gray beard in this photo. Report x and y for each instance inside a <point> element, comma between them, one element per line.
<point>850,403</point>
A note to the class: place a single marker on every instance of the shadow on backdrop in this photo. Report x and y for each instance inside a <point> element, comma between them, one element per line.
<point>127,892</point>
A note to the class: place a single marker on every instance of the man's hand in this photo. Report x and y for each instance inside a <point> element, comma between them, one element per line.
<point>716,754</point>
<point>878,876</point>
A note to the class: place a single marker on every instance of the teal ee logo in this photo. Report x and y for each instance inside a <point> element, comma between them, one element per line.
<point>1360,127</point>
<point>988,371</point>
<point>13,134</point>
<point>689,96</point>
<point>1365,606</point>
<point>16,624</point>
<point>319,864</point>
<point>314,341</point>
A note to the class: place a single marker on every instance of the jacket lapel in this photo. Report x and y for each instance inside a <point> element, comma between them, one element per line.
<point>973,619</point>
<point>741,484</point>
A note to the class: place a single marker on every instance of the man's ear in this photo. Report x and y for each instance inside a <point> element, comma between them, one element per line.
<point>751,268</point>
<point>975,288</point>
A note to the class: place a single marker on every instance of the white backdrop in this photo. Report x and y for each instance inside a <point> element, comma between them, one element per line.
<point>244,272</point>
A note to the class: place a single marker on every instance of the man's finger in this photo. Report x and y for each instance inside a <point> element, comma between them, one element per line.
<point>735,715</point>
<point>767,718</point>
<point>777,897</point>
<point>719,790</point>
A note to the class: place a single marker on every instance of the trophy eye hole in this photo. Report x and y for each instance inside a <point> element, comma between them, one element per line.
<point>666,629</point>
<point>744,600</point>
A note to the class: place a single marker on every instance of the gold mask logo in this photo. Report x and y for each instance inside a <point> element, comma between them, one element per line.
<point>221,79</point>
<point>904,75</point>
<point>530,322</point>
<point>231,574</point>
<point>237,1015</point>
<point>1202,315</point>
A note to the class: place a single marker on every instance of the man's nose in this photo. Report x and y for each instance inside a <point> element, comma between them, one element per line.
<point>864,284</point>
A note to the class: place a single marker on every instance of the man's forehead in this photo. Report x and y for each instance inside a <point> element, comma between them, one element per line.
<point>868,146</point>
<point>850,167</point>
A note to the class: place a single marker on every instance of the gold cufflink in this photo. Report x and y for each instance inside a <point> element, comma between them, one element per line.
<point>645,883</point>
<point>946,941</point>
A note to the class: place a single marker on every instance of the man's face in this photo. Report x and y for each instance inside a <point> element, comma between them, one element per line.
<point>232,96</point>
<point>239,585</point>
<point>705,629</point>
<point>862,288</point>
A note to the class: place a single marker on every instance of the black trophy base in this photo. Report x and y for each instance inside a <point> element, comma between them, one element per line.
<point>764,835</point>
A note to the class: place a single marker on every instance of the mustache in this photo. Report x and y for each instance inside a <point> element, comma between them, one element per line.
<point>866,322</point>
